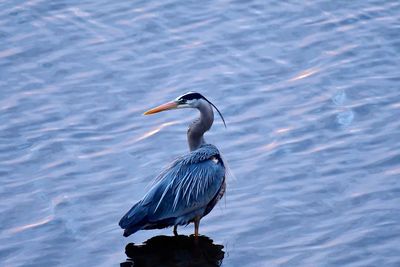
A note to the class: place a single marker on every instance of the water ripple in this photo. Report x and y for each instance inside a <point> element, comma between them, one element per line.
<point>309,92</point>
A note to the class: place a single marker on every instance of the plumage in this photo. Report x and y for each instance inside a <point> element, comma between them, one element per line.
<point>193,181</point>
<point>190,187</point>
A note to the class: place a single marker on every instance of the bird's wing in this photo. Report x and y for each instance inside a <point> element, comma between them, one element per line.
<point>190,183</point>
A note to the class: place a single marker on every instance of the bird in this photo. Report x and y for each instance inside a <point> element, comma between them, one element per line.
<point>190,187</point>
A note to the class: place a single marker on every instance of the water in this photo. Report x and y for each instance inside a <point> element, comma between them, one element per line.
<point>309,90</point>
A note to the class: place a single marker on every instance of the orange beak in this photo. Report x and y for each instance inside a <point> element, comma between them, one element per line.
<point>166,106</point>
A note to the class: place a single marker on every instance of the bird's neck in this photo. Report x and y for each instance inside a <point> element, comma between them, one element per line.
<point>195,133</point>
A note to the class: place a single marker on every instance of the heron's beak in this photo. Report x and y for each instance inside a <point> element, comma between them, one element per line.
<point>166,106</point>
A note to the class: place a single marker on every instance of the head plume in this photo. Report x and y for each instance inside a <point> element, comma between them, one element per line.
<point>195,95</point>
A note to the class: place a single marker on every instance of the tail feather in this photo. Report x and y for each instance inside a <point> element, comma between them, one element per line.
<point>134,219</point>
<point>129,231</point>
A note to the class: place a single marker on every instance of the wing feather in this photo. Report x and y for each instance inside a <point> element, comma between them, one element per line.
<point>188,184</point>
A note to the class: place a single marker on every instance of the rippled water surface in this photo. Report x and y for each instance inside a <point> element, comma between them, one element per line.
<point>310,91</point>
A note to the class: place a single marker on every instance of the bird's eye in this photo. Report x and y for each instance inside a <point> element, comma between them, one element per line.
<point>181,101</point>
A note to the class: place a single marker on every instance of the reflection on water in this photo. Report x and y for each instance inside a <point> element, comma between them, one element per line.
<point>177,251</point>
<point>309,91</point>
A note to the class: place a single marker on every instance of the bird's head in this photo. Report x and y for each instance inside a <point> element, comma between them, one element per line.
<point>188,100</point>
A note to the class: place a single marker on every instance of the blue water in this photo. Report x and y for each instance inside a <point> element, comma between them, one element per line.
<point>310,91</point>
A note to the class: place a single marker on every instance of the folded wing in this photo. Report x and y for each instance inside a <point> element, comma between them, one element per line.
<point>180,192</point>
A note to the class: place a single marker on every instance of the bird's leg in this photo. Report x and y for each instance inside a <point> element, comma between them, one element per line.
<point>175,230</point>
<point>196,226</point>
